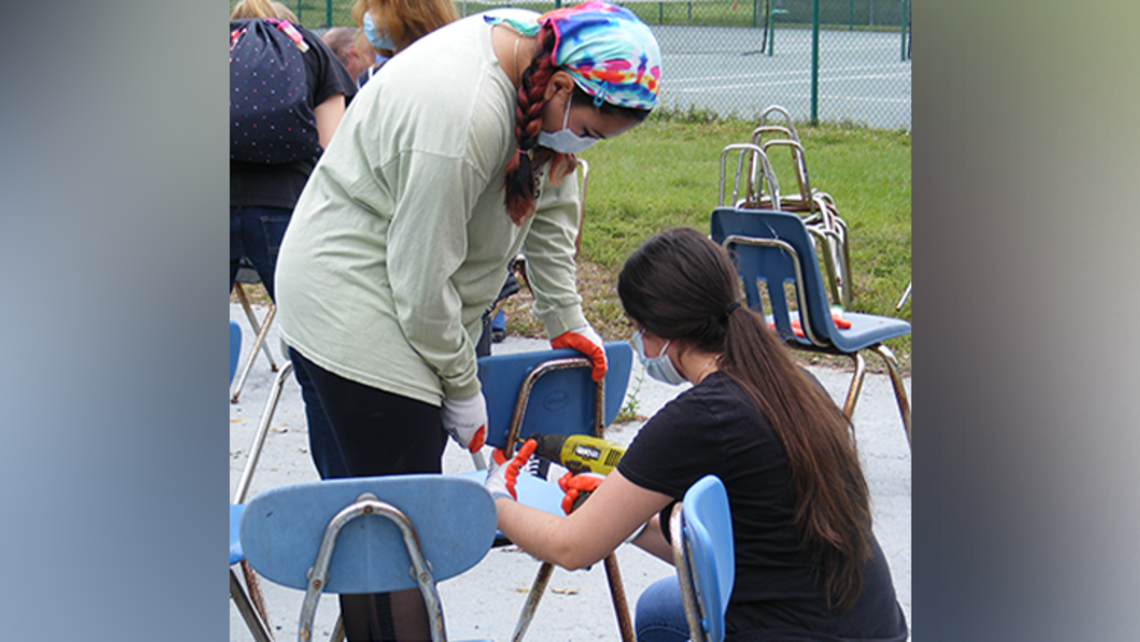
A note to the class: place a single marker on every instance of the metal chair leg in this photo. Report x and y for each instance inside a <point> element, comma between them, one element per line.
<point>856,385</point>
<point>256,597</point>
<point>262,331</point>
<point>532,598</point>
<point>896,380</point>
<point>257,627</point>
<point>905,296</point>
<point>262,431</point>
<point>617,594</point>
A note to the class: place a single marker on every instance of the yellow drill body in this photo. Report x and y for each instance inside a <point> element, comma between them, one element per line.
<point>580,453</point>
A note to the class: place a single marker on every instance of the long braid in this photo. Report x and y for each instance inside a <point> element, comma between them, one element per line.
<point>520,180</point>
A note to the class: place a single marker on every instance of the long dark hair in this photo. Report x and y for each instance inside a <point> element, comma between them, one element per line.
<point>528,157</point>
<point>679,285</point>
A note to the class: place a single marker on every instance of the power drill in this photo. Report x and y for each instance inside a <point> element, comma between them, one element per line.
<point>579,453</point>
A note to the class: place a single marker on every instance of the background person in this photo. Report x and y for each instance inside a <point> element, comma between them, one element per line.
<point>389,26</point>
<point>262,196</point>
<point>445,167</point>
<point>808,567</point>
<point>342,42</point>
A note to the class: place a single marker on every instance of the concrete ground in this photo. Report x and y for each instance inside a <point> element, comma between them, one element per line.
<point>484,602</point>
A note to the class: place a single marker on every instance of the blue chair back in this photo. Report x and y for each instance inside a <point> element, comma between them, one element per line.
<point>776,266</point>
<point>235,348</point>
<point>711,558</point>
<point>561,401</point>
<point>776,248</point>
<point>282,528</point>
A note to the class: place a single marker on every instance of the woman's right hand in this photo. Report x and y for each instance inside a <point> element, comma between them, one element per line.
<point>466,420</point>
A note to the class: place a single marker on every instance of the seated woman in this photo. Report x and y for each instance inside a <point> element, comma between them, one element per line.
<point>808,567</point>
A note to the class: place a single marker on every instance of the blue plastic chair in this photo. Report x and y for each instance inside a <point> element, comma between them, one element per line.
<point>252,611</point>
<point>551,392</point>
<point>235,348</point>
<point>364,535</point>
<point>700,529</point>
<point>775,248</point>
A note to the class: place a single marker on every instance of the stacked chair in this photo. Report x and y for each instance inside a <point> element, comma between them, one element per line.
<point>755,186</point>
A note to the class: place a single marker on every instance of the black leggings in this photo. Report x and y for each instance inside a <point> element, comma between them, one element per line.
<point>380,433</point>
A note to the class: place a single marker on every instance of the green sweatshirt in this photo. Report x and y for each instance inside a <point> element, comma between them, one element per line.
<point>400,240</point>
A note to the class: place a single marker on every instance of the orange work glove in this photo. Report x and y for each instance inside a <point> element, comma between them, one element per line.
<point>585,340</point>
<point>577,485</point>
<point>504,474</point>
<point>836,318</point>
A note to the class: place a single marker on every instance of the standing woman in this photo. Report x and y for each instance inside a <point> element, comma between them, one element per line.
<point>262,195</point>
<point>808,567</point>
<point>448,164</point>
<point>392,25</point>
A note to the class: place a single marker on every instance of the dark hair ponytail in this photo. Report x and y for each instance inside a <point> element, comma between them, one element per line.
<point>681,286</point>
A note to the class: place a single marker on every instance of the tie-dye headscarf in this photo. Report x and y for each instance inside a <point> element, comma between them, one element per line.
<point>611,54</point>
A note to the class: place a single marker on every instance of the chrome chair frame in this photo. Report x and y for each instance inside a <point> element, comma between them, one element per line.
<point>257,616</point>
<point>304,509</point>
<point>613,572</point>
<point>261,330</point>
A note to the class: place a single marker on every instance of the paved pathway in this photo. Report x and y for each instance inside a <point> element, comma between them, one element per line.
<point>485,601</point>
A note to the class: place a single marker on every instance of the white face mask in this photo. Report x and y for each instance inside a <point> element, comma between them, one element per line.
<point>564,140</point>
<point>376,37</point>
<point>659,367</point>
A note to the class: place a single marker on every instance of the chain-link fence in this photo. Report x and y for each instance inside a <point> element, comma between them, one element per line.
<point>823,60</point>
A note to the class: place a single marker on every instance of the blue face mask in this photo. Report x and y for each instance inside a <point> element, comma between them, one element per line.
<point>659,367</point>
<point>565,141</point>
<point>376,37</point>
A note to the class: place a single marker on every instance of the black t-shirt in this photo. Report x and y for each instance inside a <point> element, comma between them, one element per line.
<point>712,428</point>
<point>280,185</point>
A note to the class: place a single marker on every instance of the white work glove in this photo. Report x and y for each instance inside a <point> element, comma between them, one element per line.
<point>503,474</point>
<point>585,340</point>
<point>466,420</point>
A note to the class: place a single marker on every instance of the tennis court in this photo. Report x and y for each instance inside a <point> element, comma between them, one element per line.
<point>861,75</point>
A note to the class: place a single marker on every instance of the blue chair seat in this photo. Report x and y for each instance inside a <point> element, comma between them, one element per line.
<point>866,330</point>
<point>532,491</point>
<point>235,540</point>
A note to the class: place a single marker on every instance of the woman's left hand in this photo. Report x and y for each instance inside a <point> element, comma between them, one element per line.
<point>503,474</point>
<point>585,340</point>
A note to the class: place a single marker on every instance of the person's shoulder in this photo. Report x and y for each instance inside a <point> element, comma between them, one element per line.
<point>315,42</point>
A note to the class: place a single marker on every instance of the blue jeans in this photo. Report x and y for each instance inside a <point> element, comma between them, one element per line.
<point>661,613</point>
<point>256,233</point>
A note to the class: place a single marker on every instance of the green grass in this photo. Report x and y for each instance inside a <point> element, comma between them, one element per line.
<point>665,173</point>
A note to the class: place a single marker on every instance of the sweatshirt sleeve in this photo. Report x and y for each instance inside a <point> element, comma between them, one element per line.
<point>549,250</point>
<point>427,243</point>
